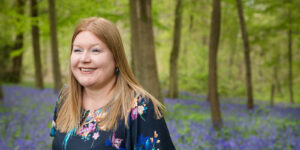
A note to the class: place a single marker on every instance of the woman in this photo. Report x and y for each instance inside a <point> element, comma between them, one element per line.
<point>103,106</point>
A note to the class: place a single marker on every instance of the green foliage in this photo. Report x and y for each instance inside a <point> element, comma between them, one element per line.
<point>16,53</point>
<point>267,23</point>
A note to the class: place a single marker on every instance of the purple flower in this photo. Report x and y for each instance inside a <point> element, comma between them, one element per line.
<point>134,113</point>
<point>92,127</point>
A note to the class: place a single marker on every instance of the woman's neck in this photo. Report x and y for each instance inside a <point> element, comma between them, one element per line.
<point>94,99</point>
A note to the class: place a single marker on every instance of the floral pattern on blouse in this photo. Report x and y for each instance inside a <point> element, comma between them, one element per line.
<point>90,126</point>
<point>147,143</point>
<point>139,108</point>
<point>115,142</point>
<point>144,131</point>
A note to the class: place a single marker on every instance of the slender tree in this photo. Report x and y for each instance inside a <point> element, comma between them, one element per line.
<point>250,103</point>
<point>290,51</point>
<point>272,94</point>
<point>273,86</point>
<point>213,74</point>
<point>36,44</point>
<point>173,87</point>
<point>54,47</point>
<point>290,60</point>
<point>142,46</point>
<point>17,60</point>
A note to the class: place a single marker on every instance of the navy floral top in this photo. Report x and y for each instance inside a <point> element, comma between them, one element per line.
<point>144,132</point>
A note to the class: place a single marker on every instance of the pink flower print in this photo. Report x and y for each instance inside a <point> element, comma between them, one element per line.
<point>134,113</point>
<point>116,142</point>
<point>92,127</point>
<point>96,135</point>
<point>83,131</point>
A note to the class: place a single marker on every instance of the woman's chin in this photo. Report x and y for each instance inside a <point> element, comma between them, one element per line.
<point>86,84</point>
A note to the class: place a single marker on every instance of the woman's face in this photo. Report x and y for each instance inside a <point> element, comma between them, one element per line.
<point>92,63</point>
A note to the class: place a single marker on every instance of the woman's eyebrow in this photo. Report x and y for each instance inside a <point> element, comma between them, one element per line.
<point>92,45</point>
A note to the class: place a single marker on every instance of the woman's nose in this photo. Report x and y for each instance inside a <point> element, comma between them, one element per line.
<point>85,57</point>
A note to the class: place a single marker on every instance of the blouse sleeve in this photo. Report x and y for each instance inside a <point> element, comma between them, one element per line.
<point>147,132</point>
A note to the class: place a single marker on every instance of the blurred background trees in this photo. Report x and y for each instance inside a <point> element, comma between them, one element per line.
<point>173,83</point>
<point>167,42</point>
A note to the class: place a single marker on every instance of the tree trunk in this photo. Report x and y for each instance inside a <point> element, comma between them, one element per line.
<point>173,87</point>
<point>54,47</point>
<point>142,46</point>
<point>36,45</point>
<point>272,94</point>
<point>17,60</point>
<point>247,55</point>
<point>273,86</point>
<point>213,74</point>
<point>290,59</point>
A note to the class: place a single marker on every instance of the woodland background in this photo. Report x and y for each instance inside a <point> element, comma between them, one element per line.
<point>207,50</point>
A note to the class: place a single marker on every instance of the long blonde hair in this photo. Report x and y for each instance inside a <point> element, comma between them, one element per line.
<point>126,85</point>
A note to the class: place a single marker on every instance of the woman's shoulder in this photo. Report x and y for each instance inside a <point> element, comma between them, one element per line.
<point>142,100</point>
<point>143,105</point>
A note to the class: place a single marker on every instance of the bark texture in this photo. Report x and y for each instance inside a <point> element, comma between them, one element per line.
<point>36,44</point>
<point>250,103</point>
<point>213,51</point>
<point>54,47</point>
<point>142,46</point>
<point>173,86</point>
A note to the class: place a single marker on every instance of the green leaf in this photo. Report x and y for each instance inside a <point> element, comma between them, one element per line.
<point>16,53</point>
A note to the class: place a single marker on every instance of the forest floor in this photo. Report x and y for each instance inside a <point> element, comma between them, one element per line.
<point>26,114</point>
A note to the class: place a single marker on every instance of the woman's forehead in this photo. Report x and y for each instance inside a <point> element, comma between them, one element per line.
<point>87,38</point>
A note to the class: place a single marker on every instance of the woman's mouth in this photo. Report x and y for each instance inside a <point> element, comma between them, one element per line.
<point>86,70</point>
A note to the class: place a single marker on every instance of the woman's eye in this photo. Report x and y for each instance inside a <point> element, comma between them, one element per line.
<point>96,50</point>
<point>77,50</point>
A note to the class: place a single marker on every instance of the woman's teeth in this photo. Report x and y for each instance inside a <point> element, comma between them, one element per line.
<point>86,70</point>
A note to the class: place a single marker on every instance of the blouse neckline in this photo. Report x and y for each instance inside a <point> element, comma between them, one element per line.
<point>84,111</point>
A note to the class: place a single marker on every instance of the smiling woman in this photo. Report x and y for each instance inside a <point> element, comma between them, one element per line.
<point>93,66</point>
<point>103,106</point>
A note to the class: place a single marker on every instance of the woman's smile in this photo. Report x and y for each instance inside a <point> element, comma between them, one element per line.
<point>85,70</point>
